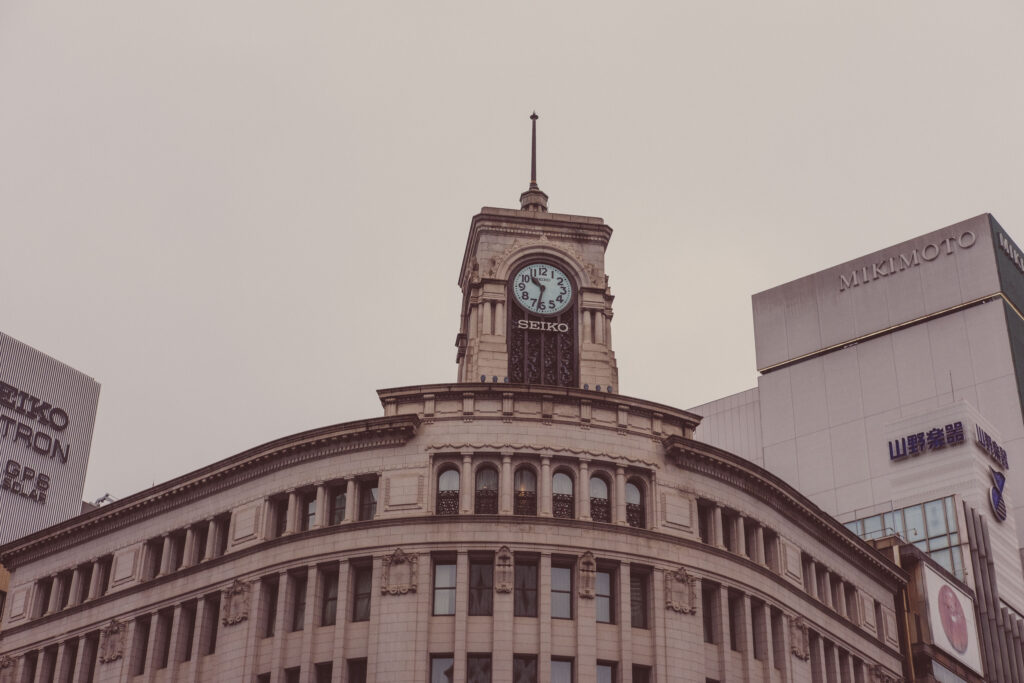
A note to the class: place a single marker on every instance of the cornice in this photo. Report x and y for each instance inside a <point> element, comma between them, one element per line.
<point>758,483</point>
<point>251,464</point>
<point>578,453</point>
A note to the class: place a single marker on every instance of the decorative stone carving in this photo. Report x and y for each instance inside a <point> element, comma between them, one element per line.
<point>880,675</point>
<point>504,571</point>
<point>799,645</point>
<point>6,669</point>
<point>235,602</point>
<point>680,592</point>
<point>588,574</point>
<point>400,573</point>
<point>112,641</point>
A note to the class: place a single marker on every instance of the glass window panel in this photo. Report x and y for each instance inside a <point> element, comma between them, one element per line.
<point>605,673</point>
<point>561,671</point>
<point>561,606</point>
<point>922,546</point>
<point>603,583</point>
<point>854,526</point>
<point>954,539</point>
<point>562,484</point>
<point>873,527</point>
<point>632,493</point>
<point>935,515</point>
<point>561,579</point>
<point>481,582</point>
<point>598,488</point>
<point>487,479</point>
<point>525,480</point>
<point>914,518</point>
<point>951,514</point>
<point>524,669</point>
<point>938,542</point>
<point>478,669</point>
<point>442,669</point>
<point>958,563</point>
<point>943,557</point>
<point>449,480</point>
<point>897,523</point>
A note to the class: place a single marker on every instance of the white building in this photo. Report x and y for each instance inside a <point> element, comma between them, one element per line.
<point>890,394</point>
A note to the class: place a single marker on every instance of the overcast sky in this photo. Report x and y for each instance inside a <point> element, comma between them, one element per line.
<point>243,218</point>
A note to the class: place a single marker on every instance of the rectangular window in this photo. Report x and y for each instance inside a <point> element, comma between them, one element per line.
<point>524,669</point>
<point>478,668</point>
<point>336,499</point>
<point>706,521</point>
<point>638,594</point>
<point>291,675</point>
<point>221,524</point>
<point>64,581</point>
<point>604,596</point>
<point>641,673</point>
<point>735,620</point>
<point>307,510</point>
<point>758,629</point>
<point>269,606</point>
<point>525,589</point>
<point>709,610</point>
<point>368,499</point>
<point>357,671</point>
<point>561,592</point>
<point>444,588</point>
<point>324,671</point>
<point>778,637</point>
<point>43,589</point>
<point>298,620</point>
<point>481,587</point>
<point>329,602</point>
<point>103,580</point>
<point>442,669</point>
<point>140,646</point>
<point>362,583</point>
<point>278,516</point>
<point>154,555</point>
<point>561,670</point>
<point>188,629</point>
<point>162,646</point>
<point>200,534</point>
<point>211,622</point>
<point>605,672</point>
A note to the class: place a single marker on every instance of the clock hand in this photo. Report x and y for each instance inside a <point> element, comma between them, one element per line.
<point>540,297</point>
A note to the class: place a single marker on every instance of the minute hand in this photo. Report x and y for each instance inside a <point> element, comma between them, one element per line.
<point>540,297</point>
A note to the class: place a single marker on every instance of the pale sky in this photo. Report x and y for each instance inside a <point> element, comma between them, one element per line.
<point>243,218</point>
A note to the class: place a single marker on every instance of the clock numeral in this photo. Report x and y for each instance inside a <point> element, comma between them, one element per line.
<point>525,296</point>
<point>522,287</point>
<point>560,298</point>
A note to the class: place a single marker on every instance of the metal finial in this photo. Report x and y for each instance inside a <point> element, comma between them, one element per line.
<point>533,155</point>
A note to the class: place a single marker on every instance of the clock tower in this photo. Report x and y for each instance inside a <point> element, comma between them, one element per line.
<point>536,306</point>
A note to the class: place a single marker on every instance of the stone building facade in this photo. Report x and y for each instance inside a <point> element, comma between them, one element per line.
<point>499,530</point>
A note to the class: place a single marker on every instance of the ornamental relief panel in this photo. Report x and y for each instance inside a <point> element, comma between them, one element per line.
<point>400,571</point>
<point>235,601</point>
<point>588,575</point>
<point>680,592</point>
<point>7,669</point>
<point>799,644</point>
<point>504,570</point>
<point>112,641</point>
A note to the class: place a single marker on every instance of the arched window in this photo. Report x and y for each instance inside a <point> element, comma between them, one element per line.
<point>525,483</point>
<point>634,505</point>
<point>486,491</point>
<point>600,507</point>
<point>448,492</point>
<point>563,502</point>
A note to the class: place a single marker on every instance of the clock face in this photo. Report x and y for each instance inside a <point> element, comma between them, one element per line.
<point>542,288</point>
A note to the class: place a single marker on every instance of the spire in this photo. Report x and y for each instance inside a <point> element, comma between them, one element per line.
<point>533,154</point>
<point>533,199</point>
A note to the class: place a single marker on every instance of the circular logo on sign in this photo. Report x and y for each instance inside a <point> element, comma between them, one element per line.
<point>954,622</point>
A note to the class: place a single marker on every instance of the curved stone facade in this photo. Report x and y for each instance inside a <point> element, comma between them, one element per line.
<point>385,549</point>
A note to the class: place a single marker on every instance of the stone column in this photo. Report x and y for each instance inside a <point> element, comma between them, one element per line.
<point>717,538</point>
<point>165,556</point>
<point>841,603</point>
<point>588,335</point>
<point>584,490</point>
<point>54,603</point>
<point>461,613</point>
<point>340,622</point>
<point>94,582</point>
<point>292,522</point>
<point>350,501</point>
<point>63,663</point>
<point>826,578</point>
<point>620,495</point>
<point>313,593</point>
<point>197,635</point>
<point>82,660</point>
<point>599,327</point>
<point>74,595</point>
<point>174,652</point>
<point>188,557</point>
<point>740,534</point>
<point>505,506</point>
<point>499,318</point>
<point>813,578</point>
<point>277,648</point>
<point>211,537</point>
<point>466,484</point>
<point>485,322</point>
<point>154,629</point>
<point>544,490</point>
<point>759,556</point>
<point>321,508</point>
<point>544,618</point>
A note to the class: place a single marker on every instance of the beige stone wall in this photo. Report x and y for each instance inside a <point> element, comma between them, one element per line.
<point>177,567</point>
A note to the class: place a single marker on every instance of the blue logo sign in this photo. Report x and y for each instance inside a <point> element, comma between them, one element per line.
<point>932,440</point>
<point>996,495</point>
